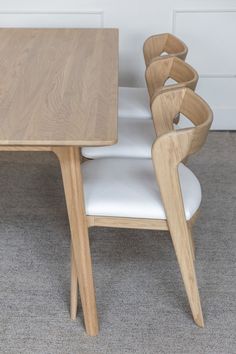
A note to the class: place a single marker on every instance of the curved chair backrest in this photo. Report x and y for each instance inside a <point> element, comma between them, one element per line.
<point>173,146</point>
<point>159,71</point>
<point>165,44</point>
<point>179,144</point>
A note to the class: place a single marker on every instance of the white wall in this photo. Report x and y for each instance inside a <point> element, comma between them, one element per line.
<point>207,27</point>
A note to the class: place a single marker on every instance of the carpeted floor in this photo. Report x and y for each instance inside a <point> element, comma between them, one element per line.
<point>140,296</point>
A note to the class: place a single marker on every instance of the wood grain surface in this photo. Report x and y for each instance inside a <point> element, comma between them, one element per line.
<point>58,87</point>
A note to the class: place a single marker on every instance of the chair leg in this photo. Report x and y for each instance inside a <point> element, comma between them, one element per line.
<point>181,240</point>
<point>168,180</point>
<point>191,241</point>
<point>74,288</point>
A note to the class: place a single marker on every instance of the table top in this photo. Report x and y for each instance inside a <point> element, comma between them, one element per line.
<point>58,87</point>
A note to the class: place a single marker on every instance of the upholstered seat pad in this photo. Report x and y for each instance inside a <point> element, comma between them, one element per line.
<point>133,103</point>
<point>128,188</point>
<point>135,139</point>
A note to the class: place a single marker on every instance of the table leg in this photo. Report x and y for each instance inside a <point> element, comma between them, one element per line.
<point>69,158</point>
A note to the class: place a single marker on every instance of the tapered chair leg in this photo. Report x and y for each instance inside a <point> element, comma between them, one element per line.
<point>191,241</point>
<point>168,179</point>
<point>74,288</point>
<point>181,240</point>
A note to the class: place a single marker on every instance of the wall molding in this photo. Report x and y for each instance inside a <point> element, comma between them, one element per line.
<point>223,113</point>
<point>97,12</point>
<point>175,12</point>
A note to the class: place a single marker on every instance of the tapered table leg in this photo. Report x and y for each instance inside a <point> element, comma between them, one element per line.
<point>69,158</point>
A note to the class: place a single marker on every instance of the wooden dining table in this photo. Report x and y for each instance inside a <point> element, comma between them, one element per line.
<point>58,92</point>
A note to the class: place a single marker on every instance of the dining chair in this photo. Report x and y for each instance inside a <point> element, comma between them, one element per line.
<point>156,194</point>
<point>135,136</point>
<point>134,101</point>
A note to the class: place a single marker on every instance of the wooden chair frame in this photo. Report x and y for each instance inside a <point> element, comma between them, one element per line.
<point>156,45</point>
<point>169,149</point>
<point>159,71</point>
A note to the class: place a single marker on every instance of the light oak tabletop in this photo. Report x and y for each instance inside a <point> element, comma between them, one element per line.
<point>58,87</point>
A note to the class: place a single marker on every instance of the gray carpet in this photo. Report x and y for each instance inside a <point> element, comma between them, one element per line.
<point>140,296</point>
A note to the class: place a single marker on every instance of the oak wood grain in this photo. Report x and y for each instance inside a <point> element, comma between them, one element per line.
<point>133,223</point>
<point>81,260</point>
<point>58,86</point>
<point>168,151</point>
<point>163,44</point>
<point>159,71</point>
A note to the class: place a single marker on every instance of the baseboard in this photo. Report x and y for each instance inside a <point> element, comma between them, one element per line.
<point>224,119</point>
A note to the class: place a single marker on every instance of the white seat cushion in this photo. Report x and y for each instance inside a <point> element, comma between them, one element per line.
<point>128,188</point>
<point>135,139</point>
<point>133,103</point>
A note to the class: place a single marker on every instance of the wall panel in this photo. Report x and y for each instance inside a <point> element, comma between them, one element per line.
<point>51,19</point>
<point>207,27</point>
<point>209,34</point>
